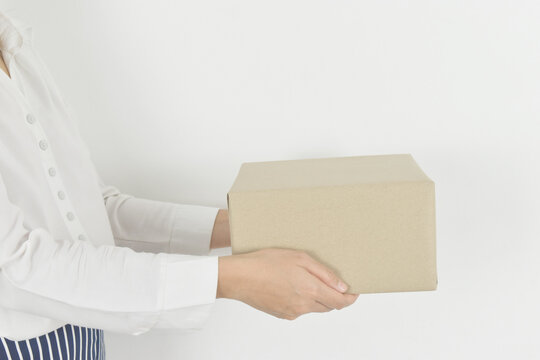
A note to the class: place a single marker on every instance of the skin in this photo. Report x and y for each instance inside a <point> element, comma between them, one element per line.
<point>284,283</point>
<point>3,65</point>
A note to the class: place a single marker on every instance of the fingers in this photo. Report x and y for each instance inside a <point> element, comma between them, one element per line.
<point>331,291</point>
<point>334,299</point>
<point>314,306</point>
<point>324,274</point>
<point>319,307</point>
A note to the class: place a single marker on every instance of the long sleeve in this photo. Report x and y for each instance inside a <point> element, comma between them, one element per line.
<point>158,226</point>
<point>59,259</point>
<point>108,287</point>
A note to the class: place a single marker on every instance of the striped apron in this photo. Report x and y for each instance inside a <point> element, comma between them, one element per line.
<point>67,342</point>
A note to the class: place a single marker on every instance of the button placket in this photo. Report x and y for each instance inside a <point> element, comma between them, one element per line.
<point>43,144</point>
<point>30,118</point>
<point>55,182</point>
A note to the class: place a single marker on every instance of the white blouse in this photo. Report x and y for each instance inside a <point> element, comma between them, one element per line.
<point>73,249</point>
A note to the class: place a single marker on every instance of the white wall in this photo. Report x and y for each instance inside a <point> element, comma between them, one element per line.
<point>172,96</point>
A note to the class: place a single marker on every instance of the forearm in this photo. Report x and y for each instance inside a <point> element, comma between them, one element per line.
<point>221,236</point>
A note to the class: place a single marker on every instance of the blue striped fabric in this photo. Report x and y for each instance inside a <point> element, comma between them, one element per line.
<point>67,342</point>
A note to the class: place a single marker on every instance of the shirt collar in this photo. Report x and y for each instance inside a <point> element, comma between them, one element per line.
<point>13,33</point>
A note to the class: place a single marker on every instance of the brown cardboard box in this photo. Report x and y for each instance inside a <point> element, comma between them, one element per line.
<point>371,219</point>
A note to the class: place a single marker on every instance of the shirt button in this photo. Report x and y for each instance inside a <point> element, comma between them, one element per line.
<point>82,237</point>
<point>61,195</point>
<point>43,145</point>
<point>30,119</point>
<point>52,171</point>
<point>70,216</point>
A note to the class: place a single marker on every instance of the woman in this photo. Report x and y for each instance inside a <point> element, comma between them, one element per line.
<point>77,256</point>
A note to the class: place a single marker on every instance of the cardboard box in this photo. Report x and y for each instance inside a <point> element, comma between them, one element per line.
<point>371,219</point>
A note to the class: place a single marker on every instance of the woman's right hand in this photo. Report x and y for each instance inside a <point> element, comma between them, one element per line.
<point>284,283</point>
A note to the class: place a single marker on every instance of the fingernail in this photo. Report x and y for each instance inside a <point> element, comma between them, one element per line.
<point>341,286</point>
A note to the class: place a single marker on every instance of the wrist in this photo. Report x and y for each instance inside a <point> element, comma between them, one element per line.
<point>221,232</point>
<point>223,277</point>
<point>229,277</point>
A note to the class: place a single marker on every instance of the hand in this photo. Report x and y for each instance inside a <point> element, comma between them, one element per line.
<point>221,233</point>
<point>284,283</point>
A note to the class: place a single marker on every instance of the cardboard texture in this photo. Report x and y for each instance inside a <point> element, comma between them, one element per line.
<point>371,219</point>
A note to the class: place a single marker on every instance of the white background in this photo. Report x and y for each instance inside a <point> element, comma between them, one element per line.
<point>172,96</point>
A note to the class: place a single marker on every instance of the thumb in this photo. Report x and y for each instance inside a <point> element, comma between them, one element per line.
<point>325,275</point>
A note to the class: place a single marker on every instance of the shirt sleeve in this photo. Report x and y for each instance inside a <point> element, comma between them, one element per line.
<point>143,224</point>
<point>158,226</point>
<point>107,287</point>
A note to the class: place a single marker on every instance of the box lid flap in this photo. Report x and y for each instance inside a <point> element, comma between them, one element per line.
<point>331,171</point>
